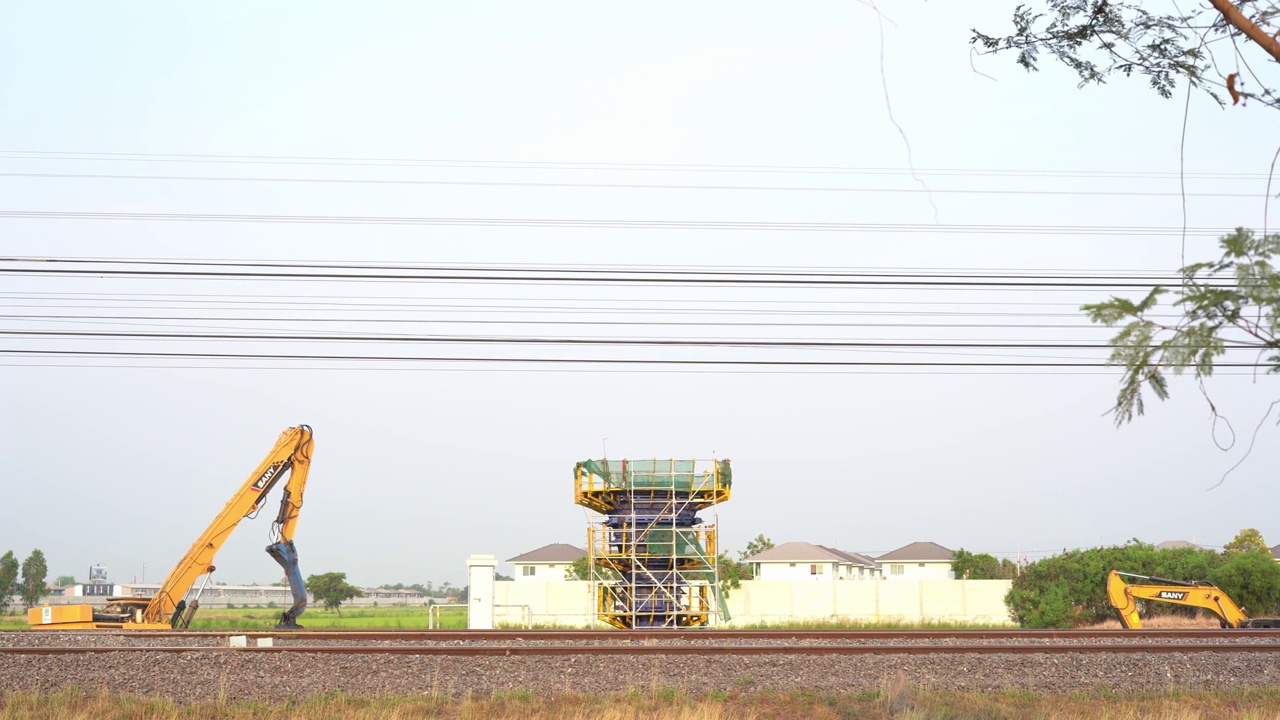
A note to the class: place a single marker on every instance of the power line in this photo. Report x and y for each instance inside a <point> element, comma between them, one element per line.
<point>610,224</point>
<point>625,186</point>
<point>580,341</point>
<point>595,166</point>
<point>573,361</point>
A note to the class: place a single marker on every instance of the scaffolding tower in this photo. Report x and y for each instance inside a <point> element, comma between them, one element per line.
<point>653,560</point>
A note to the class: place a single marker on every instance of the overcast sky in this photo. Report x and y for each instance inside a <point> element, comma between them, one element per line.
<point>503,110</point>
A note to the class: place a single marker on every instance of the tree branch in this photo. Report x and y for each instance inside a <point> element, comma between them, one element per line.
<point>1232,14</point>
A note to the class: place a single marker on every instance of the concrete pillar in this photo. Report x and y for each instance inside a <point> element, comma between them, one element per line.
<point>481,570</point>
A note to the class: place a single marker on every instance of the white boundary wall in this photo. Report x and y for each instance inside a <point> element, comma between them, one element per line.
<point>569,603</point>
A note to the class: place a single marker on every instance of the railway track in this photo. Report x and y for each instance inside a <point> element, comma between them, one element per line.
<point>651,650</point>
<point>503,643</point>
<point>553,662</point>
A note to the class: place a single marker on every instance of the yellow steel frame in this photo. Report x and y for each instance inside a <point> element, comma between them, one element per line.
<point>628,549</point>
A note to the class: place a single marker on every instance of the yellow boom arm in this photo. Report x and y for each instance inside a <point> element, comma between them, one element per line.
<point>291,456</point>
<point>1123,597</point>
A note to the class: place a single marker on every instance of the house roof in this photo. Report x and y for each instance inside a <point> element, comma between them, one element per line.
<point>1175,544</point>
<point>918,552</point>
<point>852,557</point>
<point>1275,552</point>
<point>798,552</point>
<point>553,553</point>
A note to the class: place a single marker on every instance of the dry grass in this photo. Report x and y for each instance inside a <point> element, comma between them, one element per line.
<point>674,705</point>
<point>1166,622</point>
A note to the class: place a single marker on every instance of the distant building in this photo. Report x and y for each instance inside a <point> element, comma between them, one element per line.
<point>1175,544</point>
<point>918,561</point>
<point>549,562</point>
<point>806,561</point>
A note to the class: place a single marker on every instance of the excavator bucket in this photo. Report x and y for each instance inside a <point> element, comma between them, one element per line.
<point>287,555</point>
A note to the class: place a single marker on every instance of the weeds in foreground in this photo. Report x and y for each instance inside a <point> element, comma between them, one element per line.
<point>893,701</point>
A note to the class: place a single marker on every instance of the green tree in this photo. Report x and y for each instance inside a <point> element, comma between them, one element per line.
<point>755,546</point>
<point>1205,47</point>
<point>1252,579</point>
<point>1069,590</point>
<point>1189,42</point>
<point>65,580</point>
<point>8,579</point>
<point>1230,304</point>
<point>579,569</point>
<point>732,572</point>
<point>34,572</point>
<point>1247,540</point>
<point>981,566</point>
<point>332,590</point>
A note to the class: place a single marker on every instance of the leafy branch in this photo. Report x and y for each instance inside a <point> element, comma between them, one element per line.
<point>1229,304</point>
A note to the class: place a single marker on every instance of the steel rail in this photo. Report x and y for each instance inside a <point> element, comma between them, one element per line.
<point>623,636</point>
<point>706,650</point>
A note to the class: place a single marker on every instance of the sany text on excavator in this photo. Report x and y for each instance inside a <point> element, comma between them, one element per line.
<point>1124,596</point>
<point>168,608</point>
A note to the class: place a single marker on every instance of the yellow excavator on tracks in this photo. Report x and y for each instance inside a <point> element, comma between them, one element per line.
<point>1124,596</point>
<point>168,608</point>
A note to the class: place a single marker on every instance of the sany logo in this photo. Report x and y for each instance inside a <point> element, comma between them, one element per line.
<point>1171,595</point>
<point>266,478</point>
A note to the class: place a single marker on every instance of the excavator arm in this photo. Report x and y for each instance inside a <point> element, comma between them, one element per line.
<point>1124,596</point>
<point>290,457</point>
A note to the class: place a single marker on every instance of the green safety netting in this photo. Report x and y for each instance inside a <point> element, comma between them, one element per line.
<point>655,474</point>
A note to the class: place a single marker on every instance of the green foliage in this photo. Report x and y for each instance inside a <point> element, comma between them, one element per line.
<point>1069,590</point>
<point>1252,579</point>
<point>755,546</point>
<point>332,590</point>
<point>34,572</point>
<point>981,566</point>
<point>1247,540</point>
<point>8,579</point>
<point>579,569</point>
<point>1233,303</point>
<point>65,580</point>
<point>1100,38</point>
<point>732,572</point>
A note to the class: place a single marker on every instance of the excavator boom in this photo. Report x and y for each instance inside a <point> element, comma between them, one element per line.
<point>168,608</point>
<point>1123,596</point>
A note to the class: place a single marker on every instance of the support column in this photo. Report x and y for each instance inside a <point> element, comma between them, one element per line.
<point>481,570</point>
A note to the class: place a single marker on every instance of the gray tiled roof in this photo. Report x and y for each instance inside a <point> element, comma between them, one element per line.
<point>852,557</point>
<point>918,552</point>
<point>797,552</point>
<point>553,553</point>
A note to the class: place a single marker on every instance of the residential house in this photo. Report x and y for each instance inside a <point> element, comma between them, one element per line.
<point>917,561</point>
<point>806,561</point>
<point>549,562</point>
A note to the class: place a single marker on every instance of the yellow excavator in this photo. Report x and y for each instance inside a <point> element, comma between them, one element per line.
<point>168,608</point>
<point>1124,596</point>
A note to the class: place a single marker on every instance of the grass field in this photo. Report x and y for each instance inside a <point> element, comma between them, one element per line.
<point>674,705</point>
<point>261,618</point>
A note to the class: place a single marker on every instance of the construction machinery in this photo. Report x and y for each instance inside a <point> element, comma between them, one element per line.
<point>168,609</point>
<point>1124,596</point>
<point>653,560</point>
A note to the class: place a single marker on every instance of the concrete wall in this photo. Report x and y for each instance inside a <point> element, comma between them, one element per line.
<point>548,602</point>
<point>569,603</point>
<point>769,601</point>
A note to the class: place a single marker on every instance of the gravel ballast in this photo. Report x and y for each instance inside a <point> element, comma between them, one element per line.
<point>276,677</point>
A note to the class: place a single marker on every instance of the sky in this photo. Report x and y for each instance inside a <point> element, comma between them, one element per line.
<point>827,137</point>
